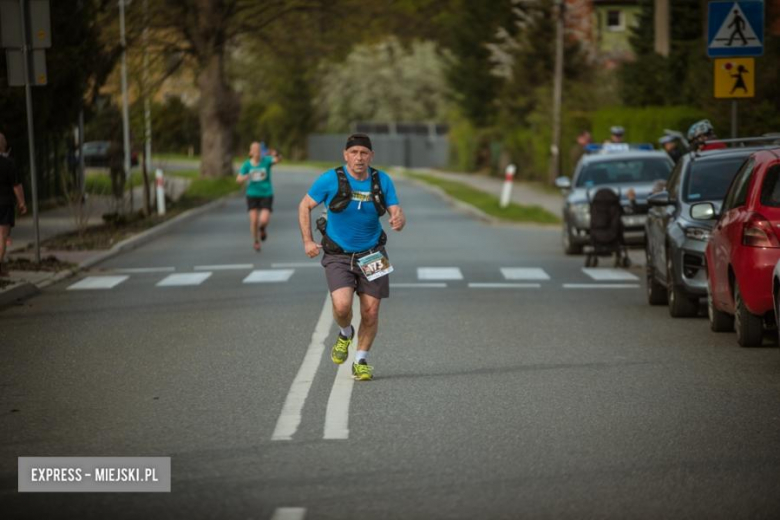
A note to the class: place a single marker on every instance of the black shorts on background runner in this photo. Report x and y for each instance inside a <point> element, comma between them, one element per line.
<point>260,203</point>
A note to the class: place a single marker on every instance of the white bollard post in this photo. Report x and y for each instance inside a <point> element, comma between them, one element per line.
<point>160,182</point>
<point>506,193</point>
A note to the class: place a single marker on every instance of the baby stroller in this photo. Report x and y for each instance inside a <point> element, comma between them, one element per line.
<point>606,229</point>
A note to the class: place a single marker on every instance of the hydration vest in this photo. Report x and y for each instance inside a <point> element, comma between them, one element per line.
<point>340,202</point>
<point>344,195</point>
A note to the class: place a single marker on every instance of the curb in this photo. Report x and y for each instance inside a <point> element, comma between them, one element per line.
<point>27,289</point>
<point>472,210</point>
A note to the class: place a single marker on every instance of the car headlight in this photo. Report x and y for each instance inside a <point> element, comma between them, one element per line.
<point>696,233</point>
<point>581,214</point>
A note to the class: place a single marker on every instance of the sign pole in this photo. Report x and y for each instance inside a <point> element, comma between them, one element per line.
<point>734,119</point>
<point>30,128</point>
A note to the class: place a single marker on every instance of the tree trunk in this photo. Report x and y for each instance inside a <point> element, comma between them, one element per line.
<point>218,111</point>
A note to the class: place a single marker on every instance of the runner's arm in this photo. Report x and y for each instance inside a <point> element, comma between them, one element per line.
<point>19,191</point>
<point>304,220</point>
<point>397,217</point>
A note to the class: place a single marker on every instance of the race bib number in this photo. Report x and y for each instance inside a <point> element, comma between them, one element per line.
<point>259,175</point>
<point>376,265</point>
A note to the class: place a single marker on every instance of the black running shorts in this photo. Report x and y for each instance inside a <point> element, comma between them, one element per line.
<point>7,215</point>
<point>260,203</point>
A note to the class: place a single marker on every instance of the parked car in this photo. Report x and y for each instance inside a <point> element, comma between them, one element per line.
<point>619,170</point>
<point>744,249</point>
<point>679,224</point>
<point>776,295</point>
<point>97,154</point>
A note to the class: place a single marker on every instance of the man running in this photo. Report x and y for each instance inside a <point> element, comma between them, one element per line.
<point>355,259</point>
<point>260,193</point>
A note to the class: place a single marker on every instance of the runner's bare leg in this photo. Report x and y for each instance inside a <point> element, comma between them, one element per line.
<point>369,321</point>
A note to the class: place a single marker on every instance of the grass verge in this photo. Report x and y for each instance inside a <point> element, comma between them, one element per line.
<point>488,203</point>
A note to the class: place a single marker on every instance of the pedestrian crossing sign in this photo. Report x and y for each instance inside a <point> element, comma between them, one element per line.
<point>735,78</point>
<point>735,29</point>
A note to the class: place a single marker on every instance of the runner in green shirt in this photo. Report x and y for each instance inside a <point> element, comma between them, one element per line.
<point>256,172</point>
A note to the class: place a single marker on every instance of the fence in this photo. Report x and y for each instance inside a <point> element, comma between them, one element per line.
<point>410,151</point>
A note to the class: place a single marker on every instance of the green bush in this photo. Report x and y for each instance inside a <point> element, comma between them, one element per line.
<point>644,125</point>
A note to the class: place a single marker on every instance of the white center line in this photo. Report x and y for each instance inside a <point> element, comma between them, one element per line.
<point>607,275</point>
<point>289,513</point>
<point>600,286</point>
<point>290,417</point>
<point>524,273</point>
<point>132,270</point>
<point>505,286</point>
<point>98,282</point>
<point>439,273</point>
<point>337,412</point>
<point>182,279</point>
<point>269,276</point>
<point>224,267</point>
<point>297,264</point>
<point>420,285</point>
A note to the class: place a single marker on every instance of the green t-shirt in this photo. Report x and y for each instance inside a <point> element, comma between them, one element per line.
<point>259,177</point>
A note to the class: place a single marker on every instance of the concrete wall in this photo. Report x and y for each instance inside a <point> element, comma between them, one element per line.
<point>412,151</point>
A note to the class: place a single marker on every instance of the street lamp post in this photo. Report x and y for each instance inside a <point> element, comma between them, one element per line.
<point>555,147</point>
<point>125,108</point>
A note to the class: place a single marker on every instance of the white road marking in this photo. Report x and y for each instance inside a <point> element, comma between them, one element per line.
<point>505,286</point>
<point>419,285</point>
<point>289,513</point>
<point>608,275</point>
<point>439,273</point>
<point>290,417</point>
<point>524,273</point>
<point>133,270</point>
<point>98,282</point>
<point>337,412</point>
<point>314,263</point>
<point>225,267</point>
<point>269,276</point>
<point>600,286</point>
<point>182,279</point>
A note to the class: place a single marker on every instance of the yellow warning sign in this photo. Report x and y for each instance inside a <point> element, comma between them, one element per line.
<point>735,78</point>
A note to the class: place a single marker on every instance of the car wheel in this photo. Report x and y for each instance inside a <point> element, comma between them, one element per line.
<point>777,317</point>
<point>750,328</point>
<point>680,304</point>
<point>569,247</point>
<point>719,321</point>
<point>656,292</point>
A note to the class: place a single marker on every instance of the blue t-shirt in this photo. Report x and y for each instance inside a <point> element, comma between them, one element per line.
<point>357,228</point>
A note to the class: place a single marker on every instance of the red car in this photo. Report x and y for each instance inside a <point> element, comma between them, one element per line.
<point>743,250</point>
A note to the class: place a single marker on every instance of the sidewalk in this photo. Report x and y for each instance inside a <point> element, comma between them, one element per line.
<point>523,193</point>
<point>21,284</point>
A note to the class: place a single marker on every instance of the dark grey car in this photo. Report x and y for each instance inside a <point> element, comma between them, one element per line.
<point>620,171</point>
<point>679,224</point>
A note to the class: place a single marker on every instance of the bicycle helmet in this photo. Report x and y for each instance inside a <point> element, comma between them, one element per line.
<point>700,129</point>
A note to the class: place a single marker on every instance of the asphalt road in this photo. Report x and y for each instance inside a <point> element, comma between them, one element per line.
<point>561,396</point>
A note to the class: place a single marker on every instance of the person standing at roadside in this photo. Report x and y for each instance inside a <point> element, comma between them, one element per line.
<point>256,172</point>
<point>10,188</point>
<point>355,259</point>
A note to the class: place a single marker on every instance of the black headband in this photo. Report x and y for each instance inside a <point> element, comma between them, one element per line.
<point>358,140</point>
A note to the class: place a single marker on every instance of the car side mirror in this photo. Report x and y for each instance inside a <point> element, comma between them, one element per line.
<point>659,199</point>
<point>563,183</point>
<point>704,211</point>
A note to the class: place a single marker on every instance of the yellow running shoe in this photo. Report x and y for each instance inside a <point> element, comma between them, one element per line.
<point>340,350</point>
<point>362,371</point>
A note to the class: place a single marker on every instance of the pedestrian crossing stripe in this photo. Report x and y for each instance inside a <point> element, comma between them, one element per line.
<point>183,279</point>
<point>735,29</point>
<point>439,273</point>
<point>524,273</point>
<point>269,276</point>
<point>603,274</point>
<point>98,282</point>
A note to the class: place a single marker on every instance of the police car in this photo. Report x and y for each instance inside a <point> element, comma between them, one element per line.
<point>620,167</point>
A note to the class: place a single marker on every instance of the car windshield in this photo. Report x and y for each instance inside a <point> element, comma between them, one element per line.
<point>626,171</point>
<point>709,180</point>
